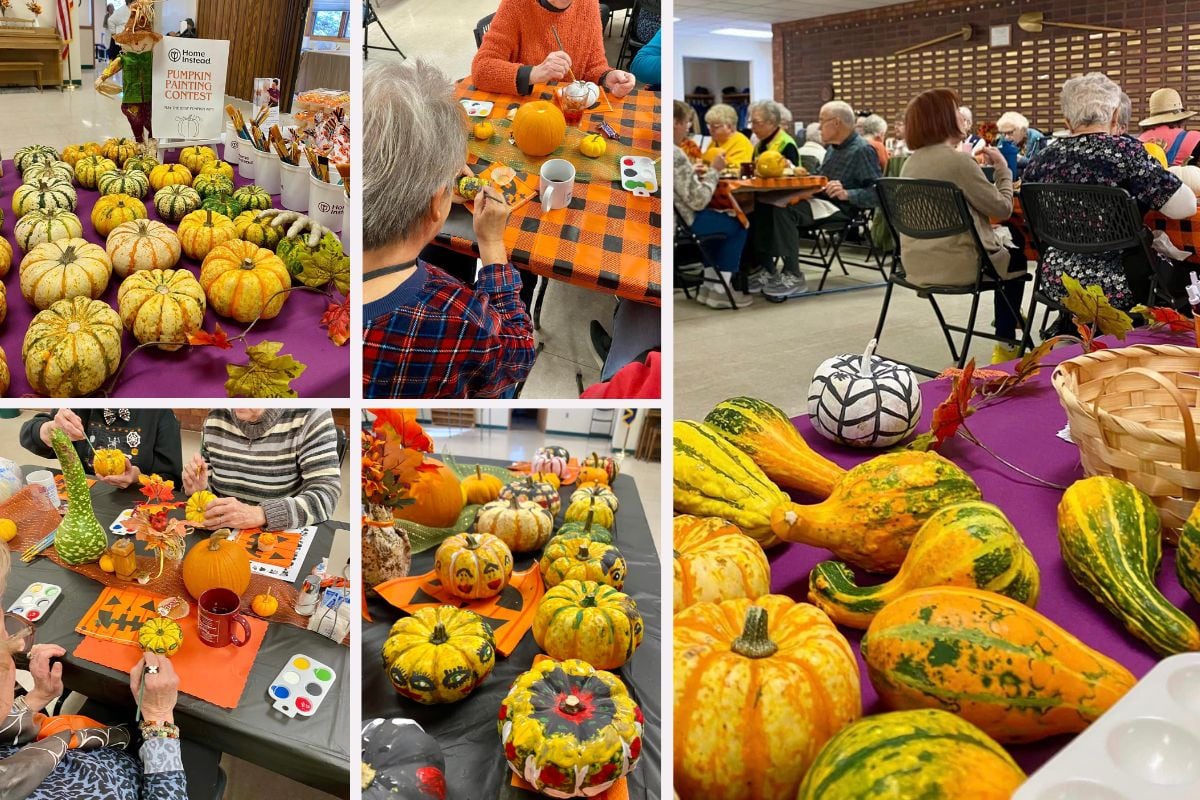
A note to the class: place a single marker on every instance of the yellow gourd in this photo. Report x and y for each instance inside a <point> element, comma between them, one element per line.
<point>264,604</point>
<point>483,131</point>
<point>8,530</point>
<point>196,505</point>
<point>593,145</point>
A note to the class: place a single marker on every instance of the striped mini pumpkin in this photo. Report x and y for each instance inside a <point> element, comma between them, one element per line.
<point>161,305</point>
<point>142,244</point>
<point>222,204</point>
<point>257,231</point>
<point>176,201</point>
<point>72,348</point>
<point>6,255</point>
<point>168,175</point>
<point>59,170</point>
<point>47,225</point>
<point>64,269</point>
<point>89,169</point>
<point>244,281</point>
<point>29,155</point>
<point>194,158</point>
<point>217,168</point>
<point>209,185</point>
<point>44,193</point>
<point>113,209</point>
<point>74,152</point>
<point>142,163</point>
<point>253,198</point>
<point>201,231</point>
<point>120,149</point>
<point>121,181</point>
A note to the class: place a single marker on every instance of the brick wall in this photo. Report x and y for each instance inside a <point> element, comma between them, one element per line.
<point>852,55</point>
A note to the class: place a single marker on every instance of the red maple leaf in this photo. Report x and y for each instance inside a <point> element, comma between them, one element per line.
<point>1090,343</point>
<point>955,409</point>
<point>156,489</point>
<point>337,320</point>
<point>403,422</point>
<point>217,338</point>
<point>1159,316</point>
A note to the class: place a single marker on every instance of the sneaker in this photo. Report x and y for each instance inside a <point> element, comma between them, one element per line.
<point>756,282</point>
<point>702,293</point>
<point>718,299</point>
<point>786,286</point>
<point>601,342</point>
<point>1002,353</point>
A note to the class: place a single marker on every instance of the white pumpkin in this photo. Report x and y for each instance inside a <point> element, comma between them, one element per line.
<point>142,244</point>
<point>47,225</point>
<point>864,400</point>
<point>1189,175</point>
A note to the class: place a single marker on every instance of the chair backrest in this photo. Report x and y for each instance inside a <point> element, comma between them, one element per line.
<point>481,29</point>
<point>605,15</point>
<point>810,163</point>
<point>1082,218</point>
<point>926,209</point>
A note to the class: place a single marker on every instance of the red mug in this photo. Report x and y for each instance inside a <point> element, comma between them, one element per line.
<point>216,616</point>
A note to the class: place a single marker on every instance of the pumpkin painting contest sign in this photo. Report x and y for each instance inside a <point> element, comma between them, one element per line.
<point>189,88</point>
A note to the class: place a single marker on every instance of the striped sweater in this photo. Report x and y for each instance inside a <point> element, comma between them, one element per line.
<point>287,463</point>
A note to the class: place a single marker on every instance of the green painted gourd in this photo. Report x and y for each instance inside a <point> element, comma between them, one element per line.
<point>588,529</point>
<point>1187,557</point>
<point>967,544</point>
<point>252,198</point>
<point>176,201</point>
<point>928,753</point>
<point>1111,541</point>
<point>80,538</point>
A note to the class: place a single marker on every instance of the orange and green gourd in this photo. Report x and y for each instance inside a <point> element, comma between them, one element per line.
<point>601,493</point>
<point>967,544</point>
<point>222,204</point>
<point>209,185</point>
<point>522,525</point>
<point>530,490</point>
<point>714,561</point>
<point>254,230</point>
<point>589,621</point>
<point>479,489</point>
<point>440,654</point>
<point>1187,557</point>
<point>80,538</point>
<point>569,729</point>
<point>1110,537</point>
<point>991,660</point>
<point>473,566</point>
<point>606,463</point>
<point>585,510</point>
<point>253,198</point>
<point>176,201</point>
<point>576,558</point>
<point>108,462</point>
<point>587,529</point>
<point>160,635</point>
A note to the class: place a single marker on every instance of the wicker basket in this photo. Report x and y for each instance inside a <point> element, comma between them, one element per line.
<point>1134,412</point>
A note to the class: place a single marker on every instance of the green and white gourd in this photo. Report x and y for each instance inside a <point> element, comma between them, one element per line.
<point>44,193</point>
<point>253,198</point>
<point>29,155</point>
<point>176,201</point>
<point>80,538</point>
<point>47,225</point>
<point>124,181</point>
<point>58,170</point>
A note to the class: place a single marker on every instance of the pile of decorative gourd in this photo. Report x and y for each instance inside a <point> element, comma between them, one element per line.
<point>583,622</point>
<point>74,344</point>
<point>951,638</point>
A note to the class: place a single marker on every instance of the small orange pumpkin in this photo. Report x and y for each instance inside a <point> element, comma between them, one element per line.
<point>596,475</point>
<point>548,477</point>
<point>108,462</point>
<point>437,498</point>
<point>216,563</point>
<point>478,489</point>
<point>244,281</point>
<point>539,128</point>
<point>264,604</point>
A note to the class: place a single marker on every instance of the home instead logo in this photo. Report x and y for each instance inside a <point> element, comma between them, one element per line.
<point>193,57</point>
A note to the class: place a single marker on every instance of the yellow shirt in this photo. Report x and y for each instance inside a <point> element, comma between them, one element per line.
<point>737,148</point>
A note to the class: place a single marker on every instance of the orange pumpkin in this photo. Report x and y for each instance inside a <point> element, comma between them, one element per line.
<point>216,563</point>
<point>539,128</point>
<point>437,498</point>
<point>201,231</point>
<point>115,209</point>
<point>596,475</point>
<point>478,489</point>
<point>169,175</point>
<point>244,281</point>
<point>548,477</point>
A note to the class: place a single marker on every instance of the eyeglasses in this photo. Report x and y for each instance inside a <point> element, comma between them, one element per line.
<point>19,632</point>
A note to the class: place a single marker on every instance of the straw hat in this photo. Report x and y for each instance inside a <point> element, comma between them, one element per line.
<point>1165,106</point>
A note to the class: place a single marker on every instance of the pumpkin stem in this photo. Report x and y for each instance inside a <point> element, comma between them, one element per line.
<point>479,472</point>
<point>754,642</point>
<point>588,600</point>
<point>214,541</point>
<point>583,554</point>
<point>472,541</point>
<point>571,705</point>
<point>439,635</point>
<point>864,366</point>
<point>587,526</point>
<point>515,503</point>
<point>247,263</point>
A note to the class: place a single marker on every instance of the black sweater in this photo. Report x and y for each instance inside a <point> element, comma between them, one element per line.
<point>149,437</point>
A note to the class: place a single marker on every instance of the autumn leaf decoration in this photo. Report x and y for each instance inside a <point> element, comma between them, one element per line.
<point>218,338</point>
<point>1160,317</point>
<point>336,320</point>
<point>160,494</point>
<point>393,457</point>
<point>161,534</point>
<point>268,374</point>
<point>1093,314</point>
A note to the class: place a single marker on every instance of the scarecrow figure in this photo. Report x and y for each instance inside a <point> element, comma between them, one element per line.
<point>136,62</point>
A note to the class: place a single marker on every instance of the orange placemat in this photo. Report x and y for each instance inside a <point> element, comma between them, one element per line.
<point>61,485</point>
<point>215,675</point>
<point>510,613</point>
<point>118,615</point>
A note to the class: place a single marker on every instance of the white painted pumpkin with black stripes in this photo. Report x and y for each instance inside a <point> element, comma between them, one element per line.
<point>864,400</point>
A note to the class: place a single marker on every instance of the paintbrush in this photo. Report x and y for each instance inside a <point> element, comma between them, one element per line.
<point>554,30</point>
<point>32,551</point>
<point>343,168</point>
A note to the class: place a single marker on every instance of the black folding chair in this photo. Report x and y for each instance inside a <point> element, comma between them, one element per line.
<point>481,29</point>
<point>924,209</point>
<point>371,18</point>
<point>630,44</point>
<point>689,251</point>
<point>1089,220</point>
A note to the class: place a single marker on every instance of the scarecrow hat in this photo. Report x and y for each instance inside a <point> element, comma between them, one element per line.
<point>140,25</point>
<point>1165,106</point>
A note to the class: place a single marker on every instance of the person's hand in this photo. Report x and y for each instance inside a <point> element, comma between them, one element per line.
<point>229,512</point>
<point>195,475</point>
<point>491,217</point>
<point>68,421</point>
<point>994,157</point>
<point>554,68</point>
<point>465,172</point>
<point>125,479</point>
<point>719,161</point>
<point>835,190</point>
<point>162,687</point>
<point>620,82</point>
<point>47,678</point>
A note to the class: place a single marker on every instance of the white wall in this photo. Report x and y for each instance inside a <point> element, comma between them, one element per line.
<point>758,53</point>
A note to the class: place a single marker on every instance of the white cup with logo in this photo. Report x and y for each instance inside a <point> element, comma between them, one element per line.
<point>326,203</point>
<point>557,184</point>
<point>45,479</point>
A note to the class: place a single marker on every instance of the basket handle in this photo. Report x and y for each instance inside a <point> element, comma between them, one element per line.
<point>1191,452</point>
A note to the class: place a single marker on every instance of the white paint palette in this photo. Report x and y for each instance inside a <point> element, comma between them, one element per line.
<point>1146,746</point>
<point>638,175</point>
<point>300,686</point>
<point>36,600</point>
<point>477,108</point>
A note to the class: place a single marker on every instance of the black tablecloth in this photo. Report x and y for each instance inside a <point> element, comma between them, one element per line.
<point>475,765</point>
<point>310,750</point>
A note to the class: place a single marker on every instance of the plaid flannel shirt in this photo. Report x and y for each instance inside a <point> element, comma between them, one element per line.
<point>855,164</point>
<point>434,337</point>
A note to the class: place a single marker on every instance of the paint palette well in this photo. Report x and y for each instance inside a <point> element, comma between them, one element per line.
<point>477,108</point>
<point>36,600</point>
<point>300,686</point>
<point>638,175</point>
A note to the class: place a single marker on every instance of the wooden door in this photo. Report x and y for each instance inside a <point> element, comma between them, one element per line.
<point>264,42</point>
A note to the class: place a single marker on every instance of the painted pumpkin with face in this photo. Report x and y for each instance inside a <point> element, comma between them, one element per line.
<point>439,655</point>
<point>473,566</point>
<point>576,558</point>
<point>590,621</point>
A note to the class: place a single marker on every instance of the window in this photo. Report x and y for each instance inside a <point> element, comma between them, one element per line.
<point>328,25</point>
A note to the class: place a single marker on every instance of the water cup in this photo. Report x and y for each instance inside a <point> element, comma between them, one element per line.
<point>232,140</point>
<point>246,161</point>
<point>266,171</point>
<point>45,479</point>
<point>326,203</point>
<point>295,185</point>
<point>557,183</point>
<point>218,612</point>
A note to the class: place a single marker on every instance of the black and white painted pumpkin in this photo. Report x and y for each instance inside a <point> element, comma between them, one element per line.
<point>400,761</point>
<point>864,400</point>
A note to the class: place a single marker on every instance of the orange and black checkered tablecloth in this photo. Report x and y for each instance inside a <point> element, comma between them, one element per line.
<point>725,195</point>
<point>607,239</point>
<point>1183,233</point>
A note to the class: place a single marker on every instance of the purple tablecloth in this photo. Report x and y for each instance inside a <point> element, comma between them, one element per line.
<point>1022,428</point>
<point>189,372</point>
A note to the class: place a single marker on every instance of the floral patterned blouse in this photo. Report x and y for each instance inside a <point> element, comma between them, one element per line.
<point>1102,160</point>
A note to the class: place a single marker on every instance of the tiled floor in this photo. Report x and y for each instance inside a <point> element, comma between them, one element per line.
<point>443,34</point>
<point>772,350</point>
<point>246,781</point>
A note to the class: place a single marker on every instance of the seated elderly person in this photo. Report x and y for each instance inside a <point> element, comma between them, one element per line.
<point>148,438</point>
<point>812,152</point>
<point>727,140</point>
<point>1014,129</point>
<point>1093,155</point>
<point>520,50</point>
<point>775,231</point>
<point>425,334</point>
<point>1163,128</point>
<point>970,137</point>
<point>276,469</point>
<point>874,130</point>
<point>692,196</point>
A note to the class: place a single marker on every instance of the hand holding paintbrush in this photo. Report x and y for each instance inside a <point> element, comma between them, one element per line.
<point>555,67</point>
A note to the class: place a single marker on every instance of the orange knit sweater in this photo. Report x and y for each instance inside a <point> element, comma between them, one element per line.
<point>520,38</point>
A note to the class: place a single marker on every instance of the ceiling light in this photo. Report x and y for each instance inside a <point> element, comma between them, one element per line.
<point>746,33</point>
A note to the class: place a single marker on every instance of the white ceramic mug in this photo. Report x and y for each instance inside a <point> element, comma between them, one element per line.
<point>45,479</point>
<point>557,183</point>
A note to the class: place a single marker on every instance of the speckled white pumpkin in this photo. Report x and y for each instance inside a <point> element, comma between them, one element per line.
<point>874,407</point>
